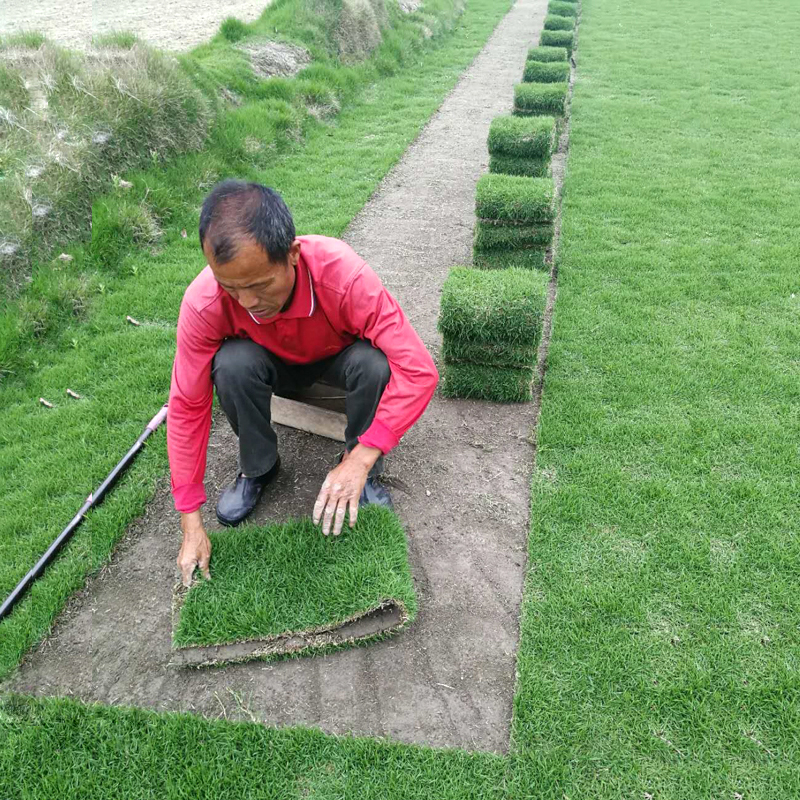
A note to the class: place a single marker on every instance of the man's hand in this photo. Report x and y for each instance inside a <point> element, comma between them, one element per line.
<point>196,547</point>
<point>343,487</point>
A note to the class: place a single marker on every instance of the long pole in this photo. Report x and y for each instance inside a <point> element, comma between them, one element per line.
<point>94,499</point>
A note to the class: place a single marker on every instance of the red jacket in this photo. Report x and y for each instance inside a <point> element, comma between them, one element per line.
<point>337,299</point>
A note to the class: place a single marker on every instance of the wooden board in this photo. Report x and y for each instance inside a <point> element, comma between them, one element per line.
<point>305,417</point>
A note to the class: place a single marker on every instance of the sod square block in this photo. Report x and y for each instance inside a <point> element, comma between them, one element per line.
<point>540,98</point>
<point>545,71</point>
<point>531,258</point>
<point>512,198</point>
<point>289,589</point>
<point>548,54</point>
<point>479,382</point>
<point>517,165</point>
<point>489,236</point>
<point>461,351</point>
<point>562,9</point>
<point>565,39</point>
<point>552,22</point>
<point>525,137</point>
<point>502,307</point>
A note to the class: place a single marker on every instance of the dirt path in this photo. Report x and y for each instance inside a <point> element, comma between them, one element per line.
<point>449,680</point>
<point>170,24</point>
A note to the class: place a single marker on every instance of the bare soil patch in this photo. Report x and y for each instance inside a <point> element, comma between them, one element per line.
<point>460,478</point>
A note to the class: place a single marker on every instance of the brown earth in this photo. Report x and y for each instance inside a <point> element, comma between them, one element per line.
<point>460,480</point>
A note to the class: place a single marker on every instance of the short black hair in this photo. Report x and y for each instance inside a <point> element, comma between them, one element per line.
<point>238,210</point>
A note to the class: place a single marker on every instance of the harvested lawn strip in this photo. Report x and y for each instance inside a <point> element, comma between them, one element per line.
<point>540,98</point>
<point>491,237</point>
<point>548,54</point>
<point>532,258</point>
<point>563,39</point>
<point>479,382</point>
<point>527,137</point>
<point>509,198</point>
<point>279,585</point>
<point>456,351</point>
<point>502,307</point>
<point>545,71</point>
<point>65,749</point>
<point>556,23</point>
<point>561,9</point>
<point>516,165</point>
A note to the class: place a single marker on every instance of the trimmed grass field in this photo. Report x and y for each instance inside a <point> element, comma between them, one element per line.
<point>659,650</point>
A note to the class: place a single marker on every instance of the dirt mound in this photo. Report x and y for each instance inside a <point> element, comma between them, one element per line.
<point>359,30</point>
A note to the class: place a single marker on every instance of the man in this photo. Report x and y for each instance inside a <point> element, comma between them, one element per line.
<point>272,312</point>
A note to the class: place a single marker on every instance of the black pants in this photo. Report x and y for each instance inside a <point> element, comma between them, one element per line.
<point>245,375</point>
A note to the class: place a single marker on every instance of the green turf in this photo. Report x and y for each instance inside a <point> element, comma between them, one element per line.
<point>548,54</point>
<point>527,137</point>
<point>562,9</point>
<point>545,71</point>
<point>479,382</point>
<point>268,580</point>
<point>531,258</point>
<point>516,165</point>
<point>491,354</point>
<point>563,39</point>
<point>123,371</point>
<point>490,237</point>
<point>553,22</point>
<point>540,98</point>
<point>503,306</point>
<point>509,198</point>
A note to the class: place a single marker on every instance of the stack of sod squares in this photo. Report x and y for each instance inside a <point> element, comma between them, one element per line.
<point>491,323</point>
<point>515,221</point>
<point>521,145</point>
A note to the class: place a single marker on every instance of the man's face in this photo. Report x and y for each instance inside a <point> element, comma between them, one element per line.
<point>256,283</point>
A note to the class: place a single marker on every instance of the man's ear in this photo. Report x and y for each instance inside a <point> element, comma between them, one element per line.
<point>294,252</point>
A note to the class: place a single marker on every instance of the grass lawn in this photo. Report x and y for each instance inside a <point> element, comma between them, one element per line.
<point>659,653</point>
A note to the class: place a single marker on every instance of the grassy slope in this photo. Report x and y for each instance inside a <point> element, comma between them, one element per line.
<point>51,459</point>
<point>659,639</point>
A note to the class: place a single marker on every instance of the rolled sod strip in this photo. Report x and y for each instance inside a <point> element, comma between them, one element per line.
<point>548,54</point>
<point>504,306</point>
<point>563,39</point>
<point>511,198</point>
<point>458,351</point>
<point>489,236</point>
<point>526,137</point>
<point>562,9</point>
<point>530,259</point>
<point>540,98</point>
<point>552,22</point>
<point>479,382</point>
<point>545,71</point>
<point>517,165</point>
<point>287,589</point>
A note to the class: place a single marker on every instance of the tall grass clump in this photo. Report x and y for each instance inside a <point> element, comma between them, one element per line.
<point>491,323</point>
<point>521,145</point>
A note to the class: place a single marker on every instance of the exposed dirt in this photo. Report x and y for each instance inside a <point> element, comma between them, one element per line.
<point>170,24</point>
<point>461,481</point>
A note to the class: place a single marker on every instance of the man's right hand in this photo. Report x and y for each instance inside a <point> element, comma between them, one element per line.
<point>196,547</point>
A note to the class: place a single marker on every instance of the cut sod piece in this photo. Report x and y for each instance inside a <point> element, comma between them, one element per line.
<point>479,382</point>
<point>526,137</point>
<point>557,39</point>
<point>457,351</point>
<point>531,258</point>
<point>540,98</point>
<point>548,54</point>
<point>552,22</point>
<point>498,307</point>
<point>545,71</point>
<point>282,589</point>
<point>516,165</point>
<point>562,9</point>
<point>510,198</point>
<point>489,236</point>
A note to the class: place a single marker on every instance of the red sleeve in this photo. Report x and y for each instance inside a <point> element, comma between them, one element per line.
<point>189,412</point>
<point>372,313</point>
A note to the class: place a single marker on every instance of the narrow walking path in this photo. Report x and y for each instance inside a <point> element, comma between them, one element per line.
<point>461,481</point>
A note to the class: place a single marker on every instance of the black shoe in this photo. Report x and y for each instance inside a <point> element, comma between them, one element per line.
<point>240,498</point>
<point>375,493</point>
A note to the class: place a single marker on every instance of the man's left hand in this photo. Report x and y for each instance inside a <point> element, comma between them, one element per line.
<point>342,489</point>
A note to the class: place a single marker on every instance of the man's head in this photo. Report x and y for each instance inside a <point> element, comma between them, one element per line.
<point>247,236</point>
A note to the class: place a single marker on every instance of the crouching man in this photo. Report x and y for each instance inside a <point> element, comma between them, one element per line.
<point>276,312</point>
